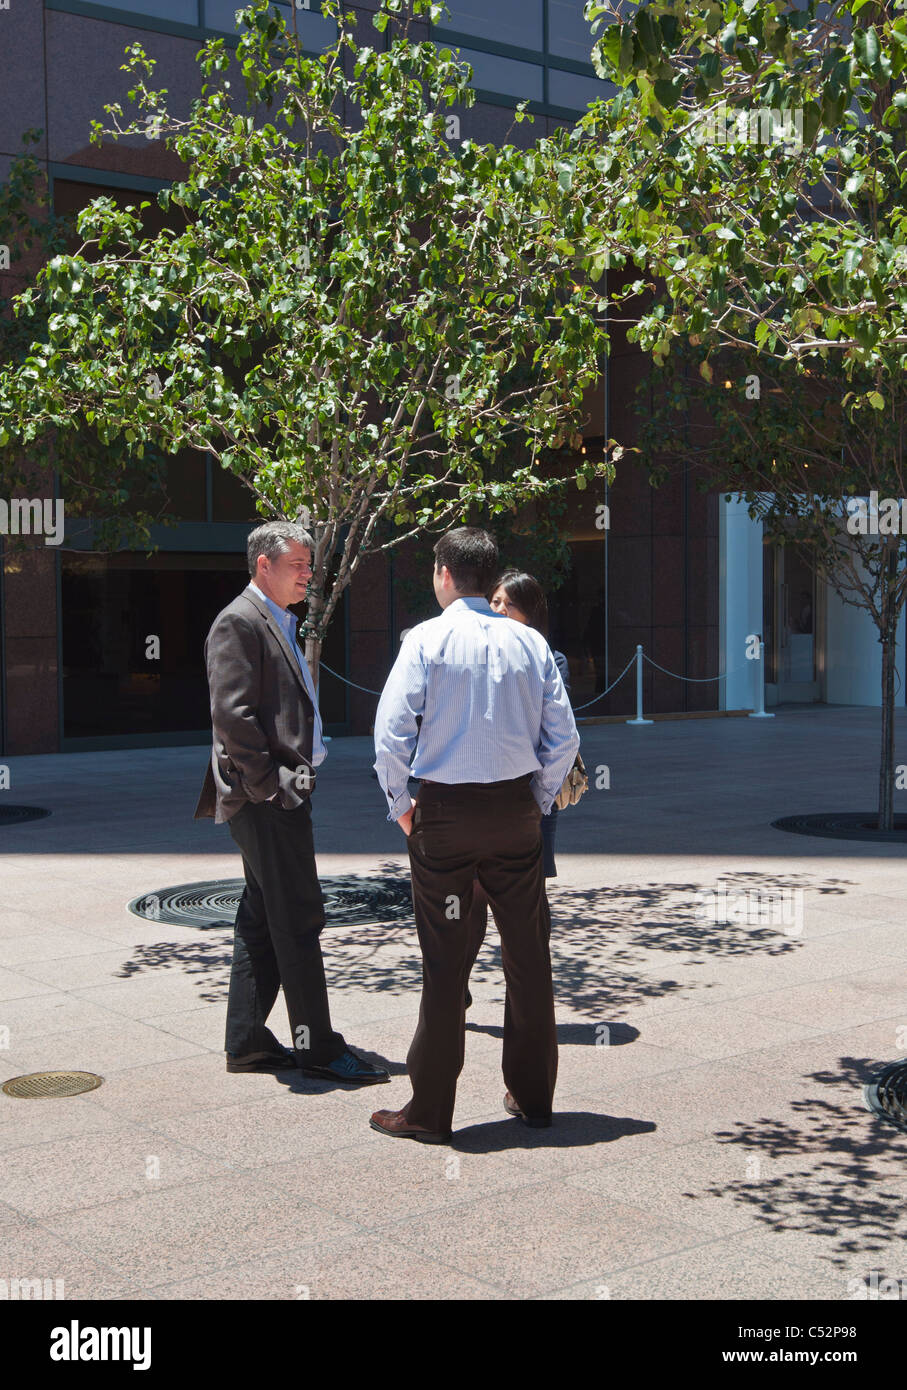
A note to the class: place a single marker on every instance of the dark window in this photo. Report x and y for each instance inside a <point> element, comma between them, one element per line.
<point>516,22</point>
<point>113,604</point>
<point>505,75</point>
<point>316,32</point>
<point>181,11</point>
<point>574,92</point>
<point>231,500</point>
<point>71,196</point>
<point>569,34</point>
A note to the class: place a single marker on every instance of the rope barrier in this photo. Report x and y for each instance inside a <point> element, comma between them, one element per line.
<point>323,667</point>
<point>610,688</point>
<point>638,657</point>
<point>692,680</point>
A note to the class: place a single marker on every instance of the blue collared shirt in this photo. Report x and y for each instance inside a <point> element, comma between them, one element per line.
<point>492,702</point>
<point>288,626</point>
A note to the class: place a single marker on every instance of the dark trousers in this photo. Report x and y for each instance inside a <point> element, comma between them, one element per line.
<point>489,832</point>
<point>480,901</point>
<point>276,940</point>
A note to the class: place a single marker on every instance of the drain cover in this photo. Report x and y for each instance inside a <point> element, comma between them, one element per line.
<point>40,1084</point>
<point>845,825</point>
<point>887,1095</point>
<point>14,815</point>
<point>346,899</point>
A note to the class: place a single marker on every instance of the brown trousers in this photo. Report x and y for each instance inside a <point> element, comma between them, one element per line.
<point>490,832</point>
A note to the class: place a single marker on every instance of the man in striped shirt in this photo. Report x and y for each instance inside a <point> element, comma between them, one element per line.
<point>497,739</point>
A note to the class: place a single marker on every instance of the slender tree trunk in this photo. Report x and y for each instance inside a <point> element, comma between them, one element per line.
<point>313,657</point>
<point>314,642</point>
<point>889,663</point>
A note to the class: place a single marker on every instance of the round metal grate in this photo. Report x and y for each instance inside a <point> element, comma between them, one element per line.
<point>41,1085</point>
<point>887,1095</point>
<point>15,815</point>
<point>347,899</point>
<point>845,825</point>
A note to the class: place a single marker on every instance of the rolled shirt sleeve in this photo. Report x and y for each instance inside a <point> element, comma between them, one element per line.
<point>396,724</point>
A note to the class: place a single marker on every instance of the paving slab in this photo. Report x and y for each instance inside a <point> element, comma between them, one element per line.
<point>710,1137</point>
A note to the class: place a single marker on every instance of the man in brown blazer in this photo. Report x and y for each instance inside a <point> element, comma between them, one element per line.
<point>266,745</point>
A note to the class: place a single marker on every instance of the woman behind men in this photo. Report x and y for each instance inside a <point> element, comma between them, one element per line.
<point>521,597</point>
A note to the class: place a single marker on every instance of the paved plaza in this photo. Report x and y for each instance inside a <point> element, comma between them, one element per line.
<point>710,1137</point>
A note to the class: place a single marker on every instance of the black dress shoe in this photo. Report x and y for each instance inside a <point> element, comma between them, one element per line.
<point>355,1071</point>
<point>468,997</point>
<point>261,1061</point>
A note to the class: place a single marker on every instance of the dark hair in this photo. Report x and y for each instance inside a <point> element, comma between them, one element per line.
<point>471,555</point>
<point>526,594</point>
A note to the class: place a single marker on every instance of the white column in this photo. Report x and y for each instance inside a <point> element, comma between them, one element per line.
<point>853,656</point>
<point>740,600</point>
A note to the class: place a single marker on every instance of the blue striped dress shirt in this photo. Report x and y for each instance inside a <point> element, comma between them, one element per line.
<point>288,625</point>
<point>492,702</point>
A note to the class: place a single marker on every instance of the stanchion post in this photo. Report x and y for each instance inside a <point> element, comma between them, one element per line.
<point>639,719</point>
<point>759,710</point>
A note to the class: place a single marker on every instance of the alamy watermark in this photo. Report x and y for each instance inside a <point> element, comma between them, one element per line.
<point>776,907</point>
<point>33,517</point>
<point>756,125</point>
<point>874,518</point>
<point>14,1289</point>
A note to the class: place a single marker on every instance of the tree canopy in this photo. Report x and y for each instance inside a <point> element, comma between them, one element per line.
<point>373,324</point>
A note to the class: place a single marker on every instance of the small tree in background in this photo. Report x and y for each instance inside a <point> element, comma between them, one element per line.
<point>769,217</point>
<point>88,470</point>
<point>805,463</point>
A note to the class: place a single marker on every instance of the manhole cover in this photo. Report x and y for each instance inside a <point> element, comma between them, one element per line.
<point>845,825</point>
<point>14,815</point>
<point>887,1095</point>
<point>346,899</point>
<point>41,1084</point>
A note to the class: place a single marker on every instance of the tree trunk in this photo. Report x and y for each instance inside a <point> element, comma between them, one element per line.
<point>313,657</point>
<point>889,653</point>
<point>314,640</point>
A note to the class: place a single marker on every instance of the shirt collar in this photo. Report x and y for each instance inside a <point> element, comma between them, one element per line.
<point>475,602</point>
<point>282,614</point>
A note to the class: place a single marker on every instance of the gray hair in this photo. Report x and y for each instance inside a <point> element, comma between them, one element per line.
<point>272,539</point>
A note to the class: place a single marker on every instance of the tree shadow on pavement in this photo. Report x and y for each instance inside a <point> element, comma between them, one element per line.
<point>847,1153</point>
<point>602,940</point>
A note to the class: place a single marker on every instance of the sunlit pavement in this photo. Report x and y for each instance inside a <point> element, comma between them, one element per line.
<point>710,1138</point>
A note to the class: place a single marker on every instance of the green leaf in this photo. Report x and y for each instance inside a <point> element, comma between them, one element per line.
<point>648,32</point>
<point>853,257</point>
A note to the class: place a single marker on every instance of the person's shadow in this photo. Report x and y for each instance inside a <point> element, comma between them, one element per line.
<point>570,1129</point>
<point>573,1034</point>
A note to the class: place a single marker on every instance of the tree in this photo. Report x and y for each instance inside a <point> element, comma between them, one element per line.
<point>810,468</point>
<point>769,215</point>
<point>87,468</point>
<point>368,325</point>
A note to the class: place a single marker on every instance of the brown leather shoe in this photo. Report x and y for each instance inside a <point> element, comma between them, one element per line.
<point>395,1123</point>
<point>533,1121</point>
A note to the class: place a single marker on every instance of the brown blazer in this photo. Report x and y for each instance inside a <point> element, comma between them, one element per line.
<point>261,715</point>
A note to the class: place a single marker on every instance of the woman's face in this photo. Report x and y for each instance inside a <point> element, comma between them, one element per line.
<point>502,604</point>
